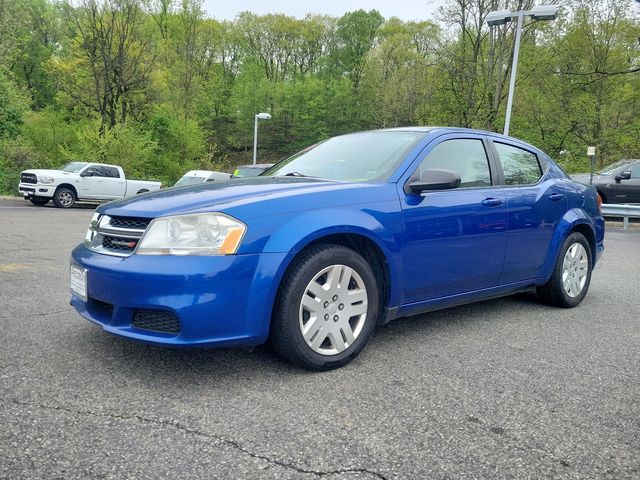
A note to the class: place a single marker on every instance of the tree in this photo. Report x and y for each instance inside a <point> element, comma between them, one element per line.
<point>109,59</point>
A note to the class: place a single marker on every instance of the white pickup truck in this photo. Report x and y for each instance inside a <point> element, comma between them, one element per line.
<point>91,182</point>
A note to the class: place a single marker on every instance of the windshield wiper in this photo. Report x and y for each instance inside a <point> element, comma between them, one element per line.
<point>295,174</point>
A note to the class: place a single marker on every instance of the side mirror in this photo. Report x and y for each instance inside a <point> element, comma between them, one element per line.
<point>86,174</point>
<point>435,179</point>
<point>622,176</point>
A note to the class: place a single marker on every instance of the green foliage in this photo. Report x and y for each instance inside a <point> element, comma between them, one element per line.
<point>158,88</point>
<point>13,105</point>
<point>125,145</point>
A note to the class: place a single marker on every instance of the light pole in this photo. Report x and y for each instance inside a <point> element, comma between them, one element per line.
<point>500,17</point>
<point>259,116</point>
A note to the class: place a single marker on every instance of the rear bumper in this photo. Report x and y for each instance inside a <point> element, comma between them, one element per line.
<point>218,301</point>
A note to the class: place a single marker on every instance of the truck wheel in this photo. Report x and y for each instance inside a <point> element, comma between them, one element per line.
<point>571,275</point>
<point>39,200</point>
<point>326,308</point>
<point>64,198</point>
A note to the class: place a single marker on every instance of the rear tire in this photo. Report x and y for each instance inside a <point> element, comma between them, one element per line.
<point>39,200</point>
<point>64,198</point>
<point>571,275</point>
<point>326,308</point>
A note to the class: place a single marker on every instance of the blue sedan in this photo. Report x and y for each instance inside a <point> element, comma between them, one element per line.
<point>346,235</point>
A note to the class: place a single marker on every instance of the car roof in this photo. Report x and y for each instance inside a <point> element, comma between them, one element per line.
<point>257,165</point>
<point>198,173</point>
<point>437,130</point>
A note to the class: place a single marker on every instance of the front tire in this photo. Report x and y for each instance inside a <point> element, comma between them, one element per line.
<point>326,308</point>
<point>571,275</point>
<point>64,198</point>
<point>40,201</point>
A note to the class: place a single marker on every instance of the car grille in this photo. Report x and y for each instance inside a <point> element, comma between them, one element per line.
<point>116,235</point>
<point>28,178</point>
<point>135,223</point>
<point>156,320</point>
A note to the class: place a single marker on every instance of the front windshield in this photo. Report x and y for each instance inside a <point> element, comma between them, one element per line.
<point>189,181</point>
<point>611,169</point>
<point>73,167</point>
<point>242,172</point>
<point>357,157</point>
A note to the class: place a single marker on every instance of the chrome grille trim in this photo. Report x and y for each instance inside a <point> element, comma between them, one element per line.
<point>103,237</point>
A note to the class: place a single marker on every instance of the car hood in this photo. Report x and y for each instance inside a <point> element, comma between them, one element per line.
<point>48,172</point>
<point>246,198</point>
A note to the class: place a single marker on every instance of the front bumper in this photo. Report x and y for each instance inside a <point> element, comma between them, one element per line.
<point>219,301</point>
<point>30,190</point>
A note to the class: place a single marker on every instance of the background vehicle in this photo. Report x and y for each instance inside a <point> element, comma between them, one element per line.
<point>331,242</point>
<point>194,177</point>
<point>617,183</point>
<point>250,170</point>
<point>80,181</point>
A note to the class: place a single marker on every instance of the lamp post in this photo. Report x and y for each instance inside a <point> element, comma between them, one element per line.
<point>500,17</point>
<point>259,116</point>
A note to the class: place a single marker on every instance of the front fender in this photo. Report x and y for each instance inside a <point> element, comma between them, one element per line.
<point>569,221</point>
<point>382,226</point>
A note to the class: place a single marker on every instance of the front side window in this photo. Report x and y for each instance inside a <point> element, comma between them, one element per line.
<point>635,170</point>
<point>614,167</point>
<point>520,167</point>
<point>467,157</point>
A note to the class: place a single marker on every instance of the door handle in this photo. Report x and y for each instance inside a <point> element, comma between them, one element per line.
<point>492,202</point>
<point>556,196</point>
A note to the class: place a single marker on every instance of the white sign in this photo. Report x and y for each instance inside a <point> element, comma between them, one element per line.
<point>591,151</point>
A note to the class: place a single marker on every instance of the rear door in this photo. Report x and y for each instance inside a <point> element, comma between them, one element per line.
<point>455,239</point>
<point>113,182</point>
<point>535,206</point>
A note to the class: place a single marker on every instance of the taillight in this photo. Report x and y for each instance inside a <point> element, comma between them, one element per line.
<point>599,202</point>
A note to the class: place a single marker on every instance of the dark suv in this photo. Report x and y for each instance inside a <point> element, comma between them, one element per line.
<point>617,183</point>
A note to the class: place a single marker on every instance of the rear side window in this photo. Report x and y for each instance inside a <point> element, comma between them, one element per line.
<point>111,172</point>
<point>465,156</point>
<point>520,167</point>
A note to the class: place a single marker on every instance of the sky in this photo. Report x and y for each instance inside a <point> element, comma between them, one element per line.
<point>404,9</point>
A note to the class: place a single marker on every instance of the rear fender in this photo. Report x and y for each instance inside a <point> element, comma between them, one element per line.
<point>570,220</point>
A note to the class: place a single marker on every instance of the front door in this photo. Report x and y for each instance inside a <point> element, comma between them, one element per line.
<point>455,238</point>
<point>626,190</point>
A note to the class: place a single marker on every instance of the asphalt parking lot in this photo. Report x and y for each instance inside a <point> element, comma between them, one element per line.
<point>507,388</point>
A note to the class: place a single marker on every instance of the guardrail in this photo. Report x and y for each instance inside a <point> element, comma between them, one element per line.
<point>622,210</point>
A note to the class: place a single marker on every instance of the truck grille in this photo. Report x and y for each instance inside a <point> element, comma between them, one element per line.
<point>28,178</point>
<point>115,235</point>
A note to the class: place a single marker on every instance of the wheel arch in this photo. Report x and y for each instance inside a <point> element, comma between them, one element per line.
<point>575,220</point>
<point>70,187</point>
<point>359,239</point>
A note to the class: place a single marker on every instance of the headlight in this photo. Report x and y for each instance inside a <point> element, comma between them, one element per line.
<point>45,179</point>
<point>198,234</point>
